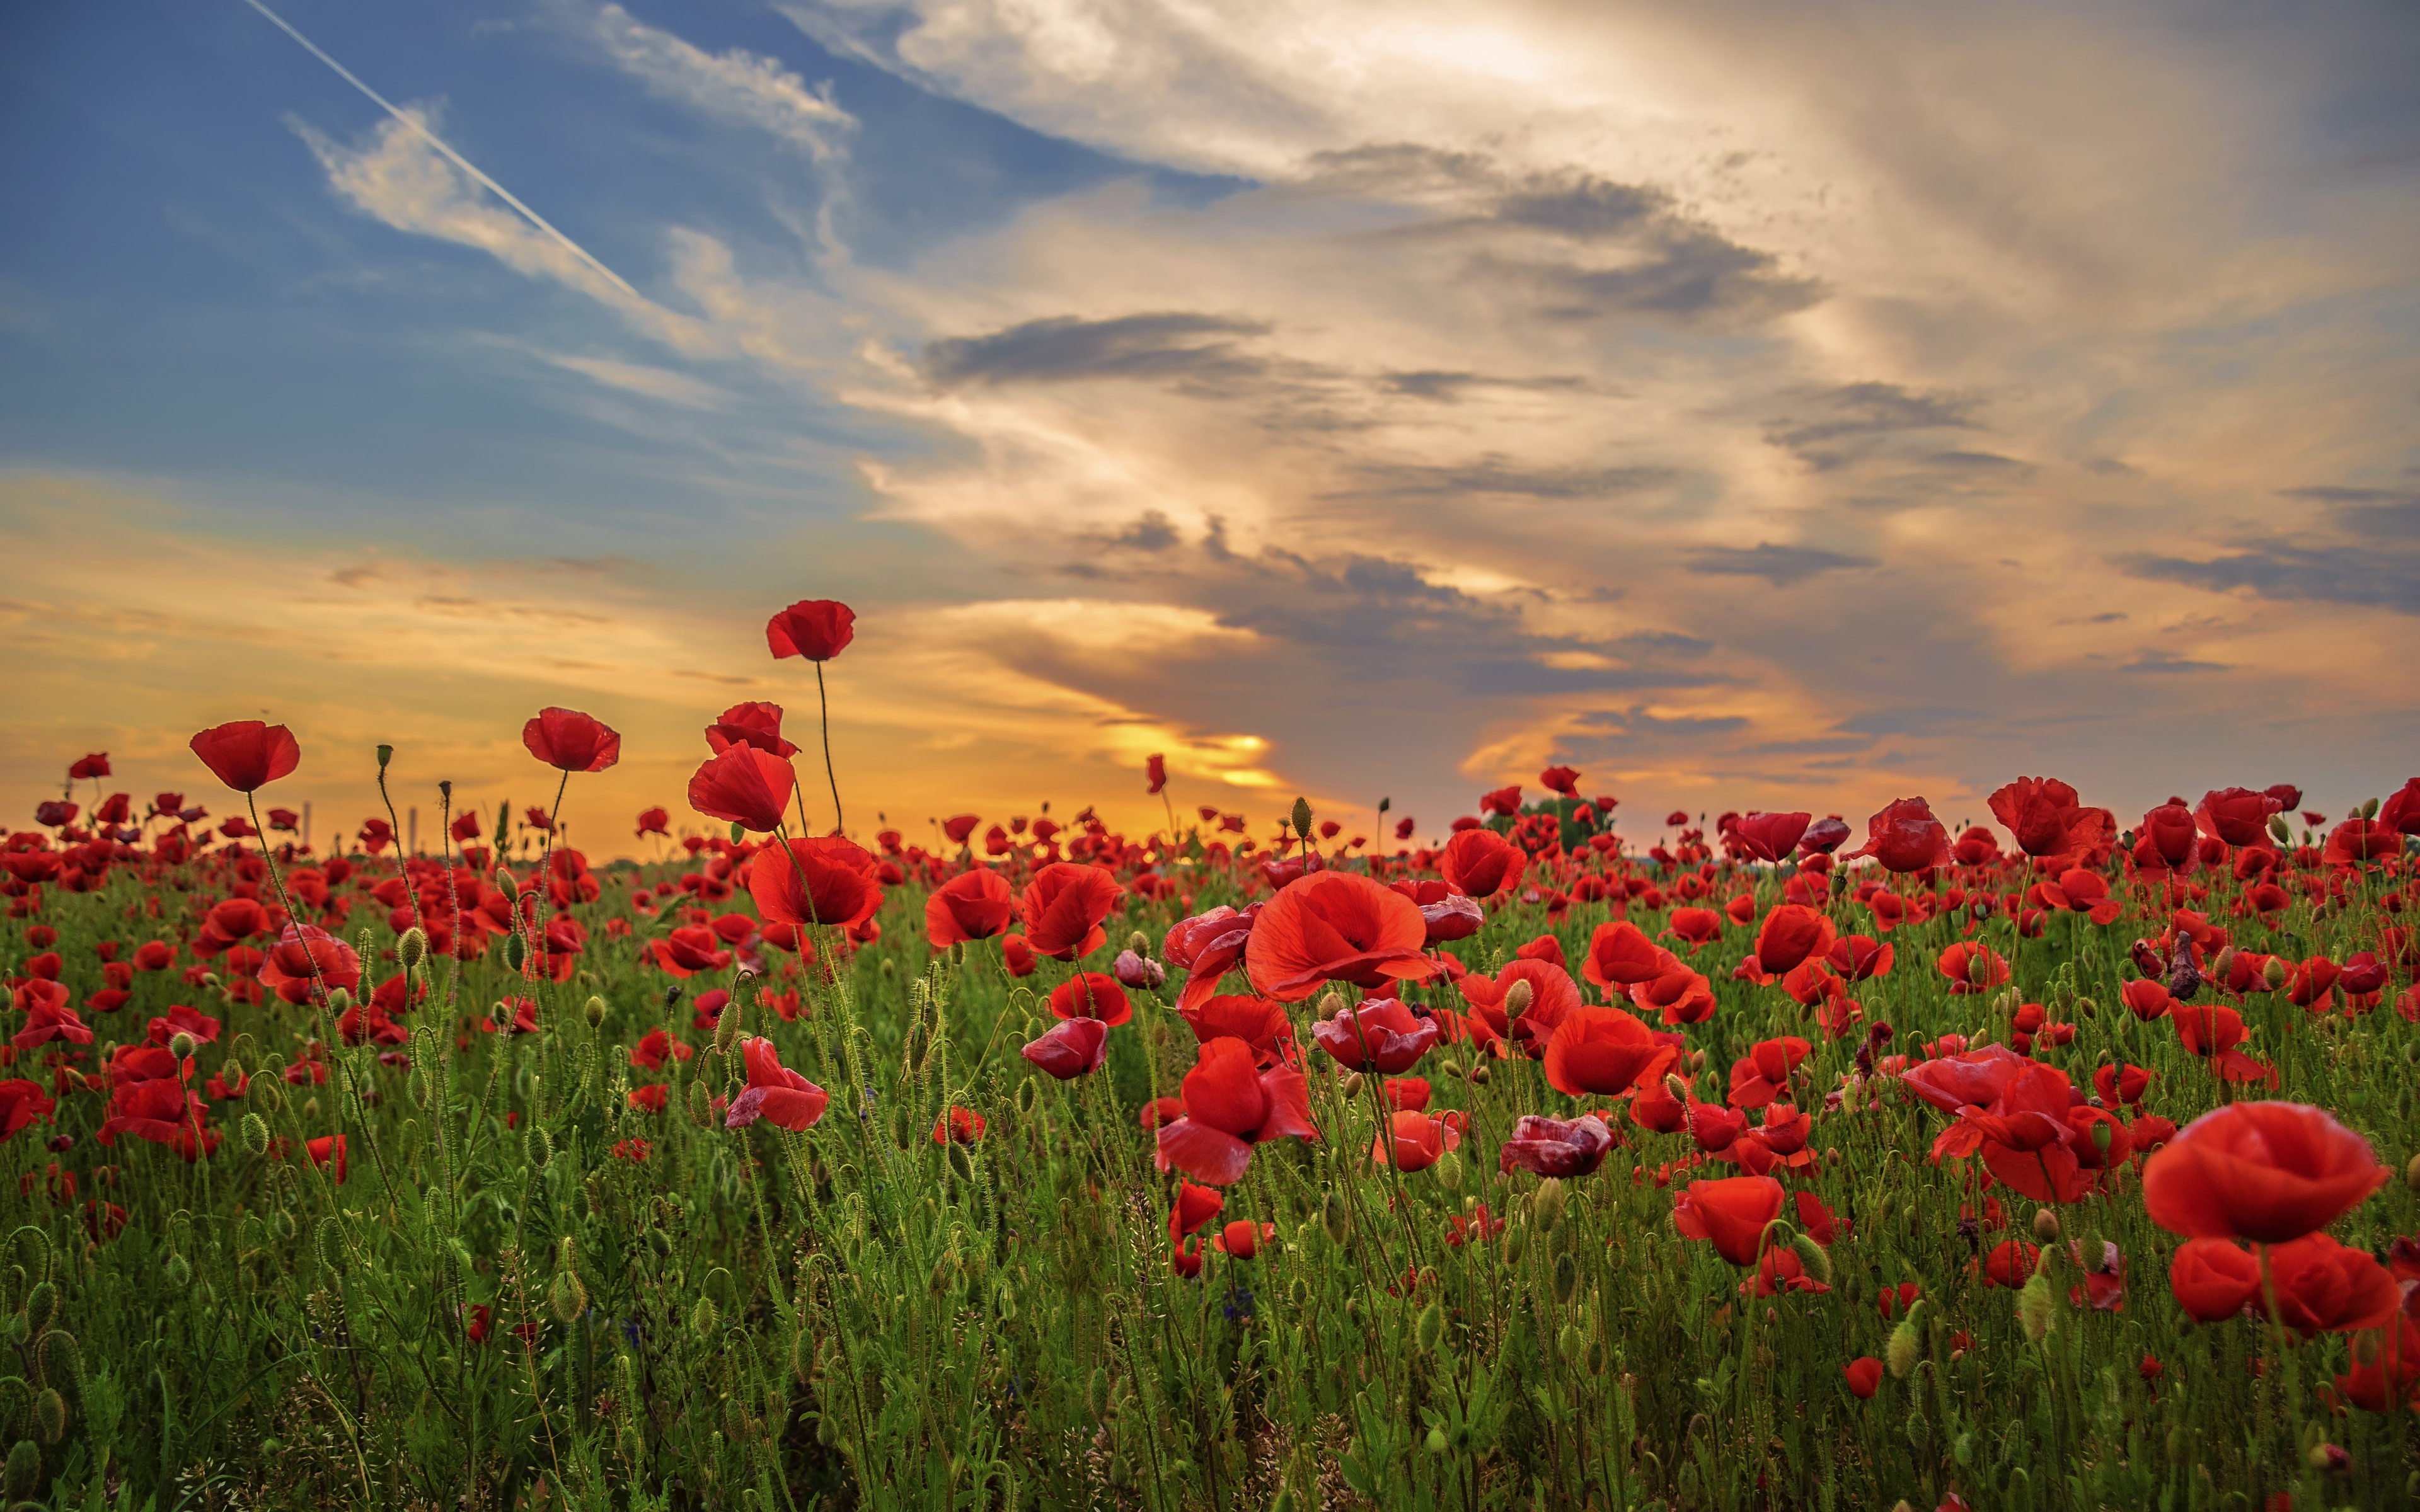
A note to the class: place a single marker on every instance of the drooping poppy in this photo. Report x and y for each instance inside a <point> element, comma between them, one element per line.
<point>1863,1375</point>
<point>1769,836</point>
<point>828,880</point>
<point>21,1102</point>
<point>247,754</point>
<point>757,724</point>
<point>2269,1172</point>
<point>1335,926</point>
<point>1070,1048</point>
<point>1904,837</point>
<point>1091,994</point>
<point>1192,1207</point>
<point>1731,1211</point>
<point>1230,1105</point>
<point>743,786</point>
<point>815,629</point>
<point>976,904</point>
<point>1791,934</point>
<point>774,1092</point>
<point>1380,1035</point>
<point>1603,1052</point>
<point>1065,904</point>
<point>1559,1147</point>
<point>570,741</point>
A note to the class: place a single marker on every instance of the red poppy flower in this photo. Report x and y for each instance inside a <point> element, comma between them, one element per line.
<point>651,822</point>
<point>163,1111</point>
<point>2212,1033</point>
<point>1381,1035</point>
<point>48,1017</point>
<point>247,754</point>
<point>2239,816</point>
<point>1905,838</point>
<point>1231,1105</point>
<point>1242,1239</point>
<point>570,741</point>
<point>1072,1048</point>
<point>1258,1022</point>
<point>2324,1287</point>
<point>1620,955</point>
<point>1790,934</point>
<point>1065,904</point>
<point>1697,926</point>
<point>1758,1077</point>
<point>1553,995</point>
<point>1155,769</point>
<point>1973,967</point>
<point>1205,948</point>
<point>2169,838</point>
<point>2385,1369</point>
<point>1193,1206</point>
<point>1091,994</point>
<point>689,950</point>
<point>2213,1279</point>
<point>1733,1213</point>
<point>1449,915</point>
<point>2400,812</point>
<point>2358,840</point>
<point>973,905</point>
<point>1769,836</point>
<point>2268,1172</point>
<point>1863,1375</point>
<point>1603,1052</point>
<point>21,1102</point>
<point>305,958</point>
<point>1562,779</point>
<point>2044,816</point>
<point>774,1092</point>
<point>745,786</point>
<point>829,880</point>
<point>1858,957</point>
<point>1016,956</point>
<point>1335,926</point>
<point>1559,1147</point>
<point>1416,1140</point>
<point>751,724</point>
<point>2010,1264</point>
<point>815,629</point>
<point>325,1149</point>
<point>959,1126</point>
<point>1483,863</point>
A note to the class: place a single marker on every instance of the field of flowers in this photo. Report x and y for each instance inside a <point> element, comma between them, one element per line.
<point>1772,1162</point>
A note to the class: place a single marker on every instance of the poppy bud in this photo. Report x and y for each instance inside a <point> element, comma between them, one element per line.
<point>2329,1458</point>
<point>39,1304</point>
<point>827,1430</point>
<point>2412,1174</point>
<point>1900,1354</point>
<point>2274,974</point>
<point>25,1471</point>
<point>1447,1171</point>
<point>178,1271</point>
<point>2282,831</point>
<point>1978,969</point>
<point>726,1027</point>
<point>1436,1441</point>
<point>701,1107</point>
<point>412,949</point>
<point>1547,1205</point>
<point>311,1109</point>
<point>1594,1358</point>
<point>339,1000</point>
<point>1430,1329</point>
<point>1334,1218</point>
<point>2037,1308</point>
<point>1478,1076</point>
<point>705,1318</point>
<point>2369,808</point>
<point>1302,817</point>
<point>1567,1278</point>
<point>1814,1258</point>
<point>802,1356</point>
<point>596,1011</point>
<point>1138,943</point>
<point>1096,1394</point>
<point>1517,998</point>
<point>2047,1226</point>
<point>1677,1087</point>
<point>567,1298</point>
<point>50,1415</point>
<point>2087,1007</point>
<point>2096,1253</point>
<point>1352,1084</point>
<point>1570,1343</point>
<point>331,1243</point>
<point>537,1146</point>
<point>739,832</point>
<point>1516,1244</point>
<point>385,754</point>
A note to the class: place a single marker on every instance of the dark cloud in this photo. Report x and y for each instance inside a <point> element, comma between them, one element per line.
<point>1495,474</point>
<point>2164,661</point>
<point>1585,209</point>
<point>2376,514</point>
<point>1860,415</point>
<point>1449,387</point>
<point>1978,462</point>
<point>1166,344</point>
<point>1780,566</point>
<point>2369,577</point>
<point>1908,719</point>
<point>1685,272</point>
<point>1151,531</point>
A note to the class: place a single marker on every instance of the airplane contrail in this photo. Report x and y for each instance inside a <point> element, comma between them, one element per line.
<point>451,155</point>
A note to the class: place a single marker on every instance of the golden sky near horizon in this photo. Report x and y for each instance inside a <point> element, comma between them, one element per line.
<point>1753,408</point>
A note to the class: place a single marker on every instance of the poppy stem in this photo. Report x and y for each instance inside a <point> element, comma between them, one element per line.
<point>823,705</point>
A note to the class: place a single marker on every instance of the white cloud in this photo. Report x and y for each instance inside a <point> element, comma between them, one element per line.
<point>654,383</point>
<point>737,85</point>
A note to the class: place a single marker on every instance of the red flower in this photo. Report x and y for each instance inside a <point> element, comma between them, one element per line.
<point>1865,1376</point>
<point>570,741</point>
<point>973,905</point>
<point>1242,1239</point>
<point>306,958</point>
<point>2010,1264</point>
<point>745,786</point>
<point>21,1102</point>
<point>1483,863</point>
<point>830,880</point>
<point>1449,915</point>
<point>2169,838</point>
<point>1562,779</point>
<point>1072,1048</point>
<point>651,822</point>
<point>2400,812</point>
<point>1732,1212</point>
<point>1335,926</point>
<point>1381,1035</point>
<point>1231,1105</point>
<point>1416,1140</point>
<point>774,1092</point>
<point>325,1149</point>
<point>1155,769</point>
<point>2268,1172</point>
<point>247,754</point>
<point>2239,816</point>
<point>1091,994</point>
<point>647,1099</point>
<point>815,629</point>
<point>93,766</point>
<point>1758,1077</point>
<point>2324,1287</point>
<point>1557,1147</point>
<point>1973,967</point>
<point>1619,954</point>
<point>1193,1206</point>
<point>1016,956</point>
<point>1769,836</point>
<point>1601,1052</point>
<point>1205,948</point>
<point>1791,934</point>
<point>1065,904</point>
<point>1258,1022</point>
<point>2043,815</point>
<point>1905,838</point>
<point>961,1126</point>
<point>751,724</point>
<point>2214,1280</point>
<point>2212,1033</point>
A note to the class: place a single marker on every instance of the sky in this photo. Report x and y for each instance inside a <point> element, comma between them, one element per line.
<point>1753,406</point>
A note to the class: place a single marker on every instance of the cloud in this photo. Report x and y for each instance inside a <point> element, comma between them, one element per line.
<point>736,86</point>
<point>1861,414</point>
<point>1063,350</point>
<point>2163,661</point>
<point>1780,566</point>
<point>1498,473</point>
<point>654,383</point>
<point>2360,576</point>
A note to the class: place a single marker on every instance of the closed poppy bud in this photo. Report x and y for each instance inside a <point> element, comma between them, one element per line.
<point>2037,1308</point>
<point>1546,1207</point>
<point>1334,1218</point>
<point>1814,1258</point>
<point>2047,1226</point>
<point>255,1130</point>
<point>726,1027</point>
<point>1901,1351</point>
<point>1302,816</point>
<point>596,1011</point>
<point>1430,1328</point>
<point>2275,974</point>
<point>412,949</point>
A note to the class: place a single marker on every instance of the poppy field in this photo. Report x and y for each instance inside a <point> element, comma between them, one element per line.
<point>1564,1158</point>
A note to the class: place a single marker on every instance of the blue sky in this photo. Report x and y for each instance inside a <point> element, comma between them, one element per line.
<point>1751,407</point>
